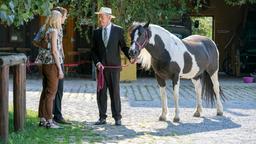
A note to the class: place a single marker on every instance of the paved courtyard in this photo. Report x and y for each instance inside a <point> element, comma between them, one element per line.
<point>141,107</point>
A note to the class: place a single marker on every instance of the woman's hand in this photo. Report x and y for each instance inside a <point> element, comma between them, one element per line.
<point>61,74</point>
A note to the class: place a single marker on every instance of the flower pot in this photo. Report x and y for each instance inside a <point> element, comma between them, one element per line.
<point>248,79</point>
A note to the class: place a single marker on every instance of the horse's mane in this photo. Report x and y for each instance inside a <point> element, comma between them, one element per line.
<point>145,59</point>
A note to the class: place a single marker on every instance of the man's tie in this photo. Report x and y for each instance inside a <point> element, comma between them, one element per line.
<point>105,37</point>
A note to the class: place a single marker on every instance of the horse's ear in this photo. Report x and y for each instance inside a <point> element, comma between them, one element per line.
<point>147,24</point>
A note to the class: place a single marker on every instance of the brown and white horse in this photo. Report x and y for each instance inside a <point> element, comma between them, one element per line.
<point>195,57</point>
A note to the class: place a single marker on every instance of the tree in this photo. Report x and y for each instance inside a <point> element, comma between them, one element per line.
<point>240,2</point>
<point>204,26</point>
<point>18,12</point>
<point>126,11</point>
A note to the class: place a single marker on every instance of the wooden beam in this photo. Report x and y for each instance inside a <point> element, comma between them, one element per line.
<point>12,58</point>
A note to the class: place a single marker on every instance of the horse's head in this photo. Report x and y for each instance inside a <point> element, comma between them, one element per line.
<point>139,38</point>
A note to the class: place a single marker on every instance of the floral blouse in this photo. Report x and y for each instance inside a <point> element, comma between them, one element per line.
<point>45,56</point>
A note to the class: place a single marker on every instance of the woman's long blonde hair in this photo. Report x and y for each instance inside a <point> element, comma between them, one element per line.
<point>54,20</point>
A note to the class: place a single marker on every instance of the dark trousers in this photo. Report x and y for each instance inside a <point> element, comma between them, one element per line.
<point>112,79</point>
<point>50,85</point>
<point>58,98</point>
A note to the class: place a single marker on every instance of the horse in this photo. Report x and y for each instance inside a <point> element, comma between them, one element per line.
<point>194,57</point>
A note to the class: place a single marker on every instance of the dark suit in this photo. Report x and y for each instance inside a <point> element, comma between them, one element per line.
<point>109,56</point>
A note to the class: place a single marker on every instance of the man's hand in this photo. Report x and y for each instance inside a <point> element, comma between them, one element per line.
<point>132,61</point>
<point>100,66</point>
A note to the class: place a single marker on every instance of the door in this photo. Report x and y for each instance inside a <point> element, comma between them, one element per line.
<point>68,39</point>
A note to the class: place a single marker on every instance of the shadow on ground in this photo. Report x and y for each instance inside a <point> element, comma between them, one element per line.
<point>115,133</point>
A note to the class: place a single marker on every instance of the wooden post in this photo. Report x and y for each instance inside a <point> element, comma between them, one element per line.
<point>4,94</point>
<point>19,101</point>
<point>18,61</point>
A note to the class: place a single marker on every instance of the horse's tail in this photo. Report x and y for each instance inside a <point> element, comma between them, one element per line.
<point>208,93</point>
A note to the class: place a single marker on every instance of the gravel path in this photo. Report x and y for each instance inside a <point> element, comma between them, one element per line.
<point>141,107</point>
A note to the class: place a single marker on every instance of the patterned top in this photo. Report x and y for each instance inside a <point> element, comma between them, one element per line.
<point>45,56</point>
<point>60,36</point>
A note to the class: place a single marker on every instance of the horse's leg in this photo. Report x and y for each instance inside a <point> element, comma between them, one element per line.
<point>216,88</point>
<point>176,85</point>
<point>162,85</point>
<point>198,89</point>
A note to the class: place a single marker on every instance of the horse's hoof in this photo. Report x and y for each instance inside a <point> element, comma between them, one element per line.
<point>162,118</point>
<point>219,113</point>
<point>197,114</point>
<point>176,119</point>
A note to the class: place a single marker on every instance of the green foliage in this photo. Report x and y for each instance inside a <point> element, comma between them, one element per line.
<point>17,12</point>
<point>33,134</point>
<point>240,2</point>
<point>126,11</point>
<point>158,12</point>
<point>204,27</point>
<point>81,11</point>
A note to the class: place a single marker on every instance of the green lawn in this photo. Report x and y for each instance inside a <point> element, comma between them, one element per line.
<point>32,134</point>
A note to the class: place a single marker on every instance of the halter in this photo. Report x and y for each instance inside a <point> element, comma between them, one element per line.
<point>141,46</point>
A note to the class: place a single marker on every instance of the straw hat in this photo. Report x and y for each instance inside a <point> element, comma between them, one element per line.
<point>105,10</point>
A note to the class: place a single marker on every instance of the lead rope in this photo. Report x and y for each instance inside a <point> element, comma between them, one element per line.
<point>100,77</point>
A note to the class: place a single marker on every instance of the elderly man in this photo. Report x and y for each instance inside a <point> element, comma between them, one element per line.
<point>108,40</point>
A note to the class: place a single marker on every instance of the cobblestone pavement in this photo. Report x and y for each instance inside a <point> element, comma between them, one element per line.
<point>141,107</point>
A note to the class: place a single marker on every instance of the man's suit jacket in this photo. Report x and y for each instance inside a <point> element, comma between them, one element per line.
<point>110,55</point>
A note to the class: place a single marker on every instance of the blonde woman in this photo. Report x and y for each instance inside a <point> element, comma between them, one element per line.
<point>51,60</point>
<point>58,117</point>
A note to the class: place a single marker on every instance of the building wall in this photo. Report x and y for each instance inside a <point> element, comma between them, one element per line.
<point>19,39</point>
<point>227,23</point>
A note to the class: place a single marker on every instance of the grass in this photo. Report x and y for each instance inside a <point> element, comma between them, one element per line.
<point>33,134</point>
